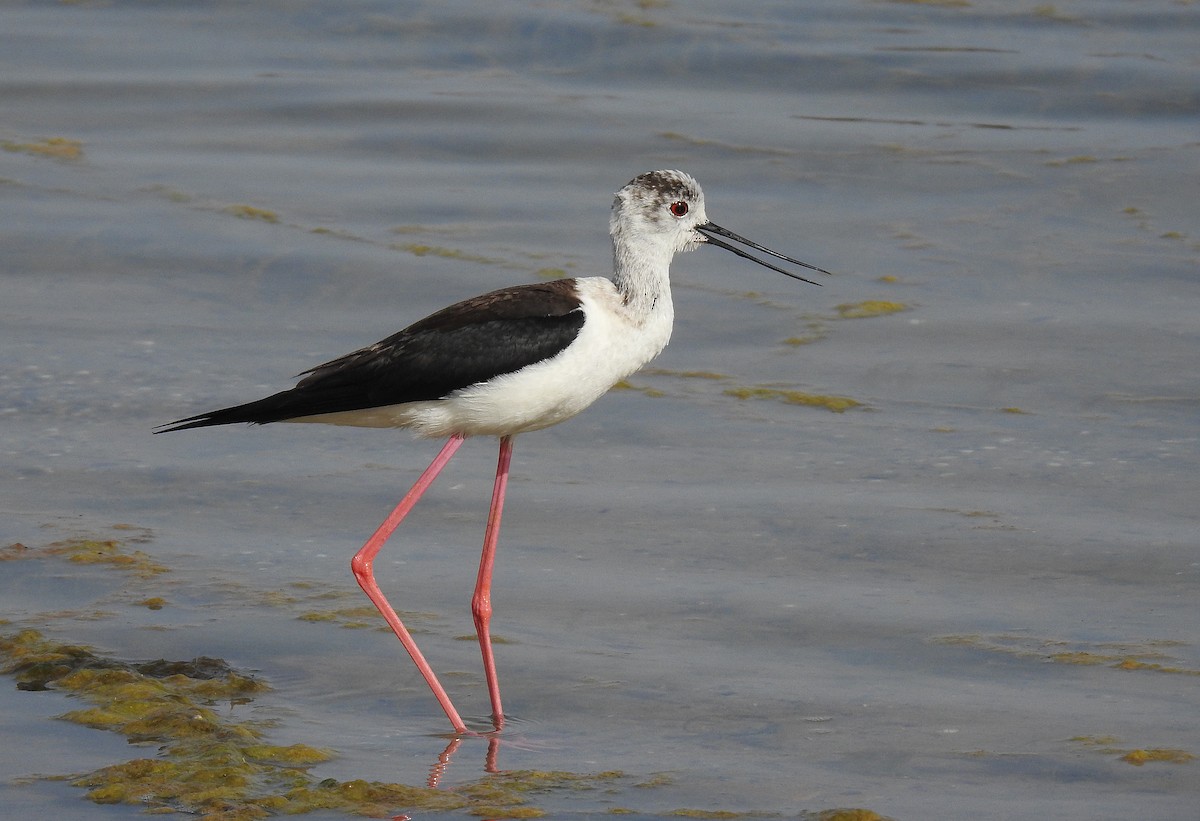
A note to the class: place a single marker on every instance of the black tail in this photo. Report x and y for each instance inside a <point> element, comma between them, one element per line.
<point>277,408</point>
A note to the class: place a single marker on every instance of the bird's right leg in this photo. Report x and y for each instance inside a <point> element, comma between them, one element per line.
<point>362,565</point>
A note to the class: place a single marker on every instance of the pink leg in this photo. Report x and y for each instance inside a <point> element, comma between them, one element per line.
<point>362,565</point>
<point>481,604</point>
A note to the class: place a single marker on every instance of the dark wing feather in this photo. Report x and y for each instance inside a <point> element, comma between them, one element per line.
<point>463,345</point>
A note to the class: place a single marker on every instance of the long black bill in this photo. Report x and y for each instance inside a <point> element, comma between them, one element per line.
<point>710,228</point>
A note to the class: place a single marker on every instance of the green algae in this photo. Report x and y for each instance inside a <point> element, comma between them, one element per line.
<point>1149,656</point>
<point>313,602</point>
<point>359,617</point>
<point>170,194</point>
<point>1095,740</point>
<point>496,639</point>
<point>655,780</point>
<point>212,759</point>
<point>422,250</point>
<point>86,550</point>
<point>348,617</point>
<point>837,404</point>
<point>1138,663</point>
<point>1049,11</point>
<point>814,331</point>
<point>208,759</point>
<point>506,794</point>
<point>797,341</point>
<point>215,765</point>
<point>1172,756</point>
<point>59,148</point>
<point>869,308</point>
<point>109,552</point>
<point>1080,159</point>
<point>626,385</point>
<point>336,233</point>
<point>712,376</point>
<point>1109,745</point>
<point>251,212</point>
<point>838,814</point>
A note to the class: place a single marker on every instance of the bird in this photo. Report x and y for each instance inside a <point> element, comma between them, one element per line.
<point>504,363</point>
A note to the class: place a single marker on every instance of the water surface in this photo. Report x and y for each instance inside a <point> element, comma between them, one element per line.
<point>970,596</point>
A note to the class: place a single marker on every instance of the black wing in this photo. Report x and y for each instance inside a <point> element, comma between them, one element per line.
<point>468,343</point>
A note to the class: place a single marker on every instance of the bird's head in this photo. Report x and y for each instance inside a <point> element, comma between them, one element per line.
<point>663,212</point>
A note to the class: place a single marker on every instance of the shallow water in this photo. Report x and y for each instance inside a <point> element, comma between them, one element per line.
<point>752,605</point>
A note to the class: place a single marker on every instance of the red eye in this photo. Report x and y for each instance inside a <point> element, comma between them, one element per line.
<point>679,209</point>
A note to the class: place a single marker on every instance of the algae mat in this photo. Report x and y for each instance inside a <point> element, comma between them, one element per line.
<point>203,751</point>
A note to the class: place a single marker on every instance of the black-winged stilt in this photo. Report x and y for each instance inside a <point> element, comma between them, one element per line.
<point>506,362</point>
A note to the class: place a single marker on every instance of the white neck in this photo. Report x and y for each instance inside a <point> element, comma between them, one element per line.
<point>641,272</point>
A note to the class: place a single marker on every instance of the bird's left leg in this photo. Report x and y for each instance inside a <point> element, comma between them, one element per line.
<point>481,603</point>
<point>363,567</point>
